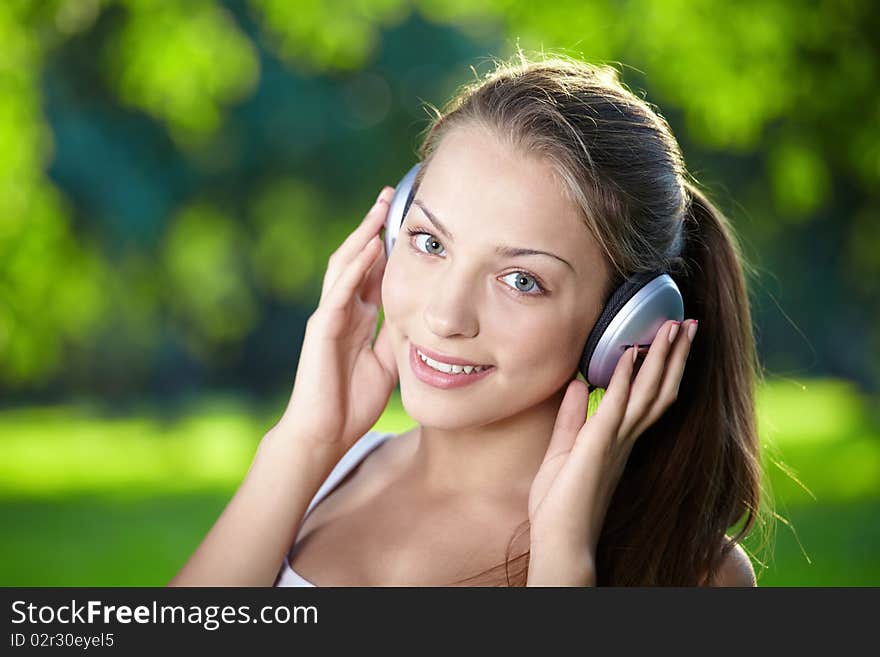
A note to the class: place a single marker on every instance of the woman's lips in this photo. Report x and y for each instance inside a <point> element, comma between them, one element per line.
<point>443,358</point>
<point>438,379</point>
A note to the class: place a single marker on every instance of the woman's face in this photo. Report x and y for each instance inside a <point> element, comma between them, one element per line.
<point>528,316</point>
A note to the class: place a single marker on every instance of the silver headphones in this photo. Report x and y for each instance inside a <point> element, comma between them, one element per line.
<point>632,315</point>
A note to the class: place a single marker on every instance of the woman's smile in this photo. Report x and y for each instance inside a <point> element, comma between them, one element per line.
<point>434,372</point>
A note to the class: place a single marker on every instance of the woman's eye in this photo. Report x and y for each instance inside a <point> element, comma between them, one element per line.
<point>430,242</point>
<point>523,284</point>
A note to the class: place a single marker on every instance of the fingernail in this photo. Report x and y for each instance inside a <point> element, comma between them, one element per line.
<point>673,332</point>
<point>635,351</point>
<point>385,191</point>
<point>692,330</point>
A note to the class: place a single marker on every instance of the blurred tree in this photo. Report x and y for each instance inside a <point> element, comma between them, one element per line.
<point>203,262</point>
<point>50,279</point>
<point>180,62</point>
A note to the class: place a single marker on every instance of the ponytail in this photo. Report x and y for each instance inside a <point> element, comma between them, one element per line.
<point>696,472</point>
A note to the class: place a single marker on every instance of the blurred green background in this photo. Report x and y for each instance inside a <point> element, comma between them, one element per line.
<point>174,175</point>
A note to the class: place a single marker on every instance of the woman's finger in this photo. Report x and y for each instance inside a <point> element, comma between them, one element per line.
<point>372,290</point>
<point>357,240</point>
<point>647,383</point>
<point>353,277</point>
<point>369,226</point>
<point>612,407</point>
<point>599,435</point>
<point>672,376</point>
<point>569,420</point>
<point>351,247</point>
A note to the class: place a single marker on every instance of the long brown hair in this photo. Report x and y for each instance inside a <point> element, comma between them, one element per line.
<point>697,471</point>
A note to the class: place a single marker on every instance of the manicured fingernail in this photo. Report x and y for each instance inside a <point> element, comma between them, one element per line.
<point>692,330</point>
<point>385,191</point>
<point>673,331</point>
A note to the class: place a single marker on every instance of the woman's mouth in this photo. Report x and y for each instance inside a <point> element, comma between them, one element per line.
<point>444,375</point>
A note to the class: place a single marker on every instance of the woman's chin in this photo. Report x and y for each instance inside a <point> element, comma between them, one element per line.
<point>430,410</point>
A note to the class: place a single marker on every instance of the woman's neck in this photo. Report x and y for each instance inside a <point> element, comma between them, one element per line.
<point>497,460</point>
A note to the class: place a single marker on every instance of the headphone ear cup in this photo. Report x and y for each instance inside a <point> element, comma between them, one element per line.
<point>622,293</point>
<point>633,314</point>
<point>400,202</point>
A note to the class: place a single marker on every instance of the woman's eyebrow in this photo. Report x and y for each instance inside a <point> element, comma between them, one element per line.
<point>507,251</point>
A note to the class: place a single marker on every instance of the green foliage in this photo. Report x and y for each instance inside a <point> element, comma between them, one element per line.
<point>49,280</point>
<point>181,62</point>
<point>286,218</point>
<point>801,180</point>
<point>315,36</point>
<point>204,261</point>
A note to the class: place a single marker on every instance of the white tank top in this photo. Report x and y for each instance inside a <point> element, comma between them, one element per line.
<point>287,576</point>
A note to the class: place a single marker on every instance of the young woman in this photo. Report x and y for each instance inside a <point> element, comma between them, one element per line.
<point>503,480</point>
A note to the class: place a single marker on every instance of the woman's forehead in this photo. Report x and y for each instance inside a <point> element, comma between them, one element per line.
<point>476,184</point>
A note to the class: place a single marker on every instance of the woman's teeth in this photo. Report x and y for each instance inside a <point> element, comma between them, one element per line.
<point>451,369</point>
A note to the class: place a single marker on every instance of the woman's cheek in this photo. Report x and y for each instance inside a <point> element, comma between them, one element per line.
<point>393,286</point>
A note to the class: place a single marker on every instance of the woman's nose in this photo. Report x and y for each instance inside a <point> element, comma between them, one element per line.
<point>450,308</point>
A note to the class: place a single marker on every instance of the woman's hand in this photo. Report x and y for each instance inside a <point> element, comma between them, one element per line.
<point>571,492</point>
<point>343,381</point>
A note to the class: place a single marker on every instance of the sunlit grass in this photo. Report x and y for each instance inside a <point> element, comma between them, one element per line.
<point>810,411</point>
<point>93,499</point>
<point>54,451</point>
<point>818,441</point>
<point>48,452</point>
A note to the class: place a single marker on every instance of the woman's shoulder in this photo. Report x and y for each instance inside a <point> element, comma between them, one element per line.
<point>735,570</point>
<point>372,437</point>
<point>359,450</point>
<point>361,461</point>
<point>374,443</point>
